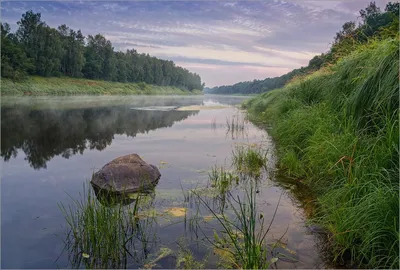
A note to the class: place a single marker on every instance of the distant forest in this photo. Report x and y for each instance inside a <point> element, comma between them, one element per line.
<point>374,23</point>
<point>37,49</point>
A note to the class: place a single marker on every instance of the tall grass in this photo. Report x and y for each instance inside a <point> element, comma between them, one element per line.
<point>242,243</point>
<point>236,126</point>
<point>338,130</point>
<point>249,159</point>
<point>103,233</point>
<point>222,179</point>
<point>235,123</point>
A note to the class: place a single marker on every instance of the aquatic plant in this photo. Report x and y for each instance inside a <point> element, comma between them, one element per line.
<point>249,159</point>
<point>102,233</point>
<point>186,260</point>
<point>236,125</point>
<point>241,243</point>
<point>221,179</point>
<point>214,123</point>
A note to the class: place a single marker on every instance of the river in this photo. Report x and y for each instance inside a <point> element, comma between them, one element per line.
<point>50,146</point>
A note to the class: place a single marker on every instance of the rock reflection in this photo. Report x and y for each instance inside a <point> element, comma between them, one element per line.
<point>108,198</point>
<point>45,133</point>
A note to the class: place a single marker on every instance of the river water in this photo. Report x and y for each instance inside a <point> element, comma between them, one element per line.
<point>50,146</point>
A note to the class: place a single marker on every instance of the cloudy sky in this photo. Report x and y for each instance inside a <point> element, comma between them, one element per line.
<point>225,42</point>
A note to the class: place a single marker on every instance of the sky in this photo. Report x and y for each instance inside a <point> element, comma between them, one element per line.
<point>224,42</point>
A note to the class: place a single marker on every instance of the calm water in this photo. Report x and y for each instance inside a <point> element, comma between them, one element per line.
<point>51,146</point>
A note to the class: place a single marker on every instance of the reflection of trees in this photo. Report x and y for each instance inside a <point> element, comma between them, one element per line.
<point>43,134</point>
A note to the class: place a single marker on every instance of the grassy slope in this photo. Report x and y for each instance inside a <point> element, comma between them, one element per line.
<point>73,86</point>
<point>337,130</point>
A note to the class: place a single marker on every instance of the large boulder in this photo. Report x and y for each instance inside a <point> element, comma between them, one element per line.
<point>126,174</point>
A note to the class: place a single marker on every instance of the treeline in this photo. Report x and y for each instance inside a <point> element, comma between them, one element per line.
<point>374,23</point>
<point>37,49</point>
<point>68,132</point>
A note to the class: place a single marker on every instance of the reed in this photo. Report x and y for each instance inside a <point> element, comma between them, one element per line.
<point>103,233</point>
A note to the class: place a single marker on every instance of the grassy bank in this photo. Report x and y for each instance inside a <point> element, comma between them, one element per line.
<point>337,130</point>
<point>73,86</point>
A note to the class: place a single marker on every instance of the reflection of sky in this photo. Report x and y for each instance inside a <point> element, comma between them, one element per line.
<point>224,42</point>
<point>190,148</point>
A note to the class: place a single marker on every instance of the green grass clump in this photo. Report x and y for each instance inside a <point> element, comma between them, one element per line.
<point>186,260</point>
<point>36,85</point>
<point>242,243</point>
<point>102,233</point>
<point>338,130</point>
<point>249,159</point>
<point>222,179</point>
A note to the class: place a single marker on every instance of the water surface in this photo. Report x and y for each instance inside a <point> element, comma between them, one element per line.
<point>50,146</point>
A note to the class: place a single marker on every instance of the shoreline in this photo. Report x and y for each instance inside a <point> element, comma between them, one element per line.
<point>67,86</point>
<point>339,136</point>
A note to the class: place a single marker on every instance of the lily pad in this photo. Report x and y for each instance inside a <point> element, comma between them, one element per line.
<point>274,260</point>
<point>212,217</point>
<point>148,213</point>
<point>176,211</point>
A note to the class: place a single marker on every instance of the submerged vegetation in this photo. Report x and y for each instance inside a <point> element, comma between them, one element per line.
<point>337,130</point>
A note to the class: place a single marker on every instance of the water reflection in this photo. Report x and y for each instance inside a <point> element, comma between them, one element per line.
<point>45,133</point>
<point>166,217</point>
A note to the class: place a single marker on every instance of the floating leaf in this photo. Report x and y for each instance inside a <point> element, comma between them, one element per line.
<point>163,162</point>
<point>148,266</point>
<point>176,211</point>
<point>85,255</point>
<point>208,218</point>
<point>274,260</point>
<point>212,217</point>
<point>133,196</point>
<point>148,213</point>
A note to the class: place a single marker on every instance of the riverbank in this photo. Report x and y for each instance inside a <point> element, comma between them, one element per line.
<point>337,131</point>
<point>36,85</point>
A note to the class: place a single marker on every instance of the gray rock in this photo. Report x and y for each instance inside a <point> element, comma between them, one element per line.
<point>126,174</point>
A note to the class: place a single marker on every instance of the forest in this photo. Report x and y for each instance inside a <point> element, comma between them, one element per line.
<point>38,49</point>
<point>374,22</point>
